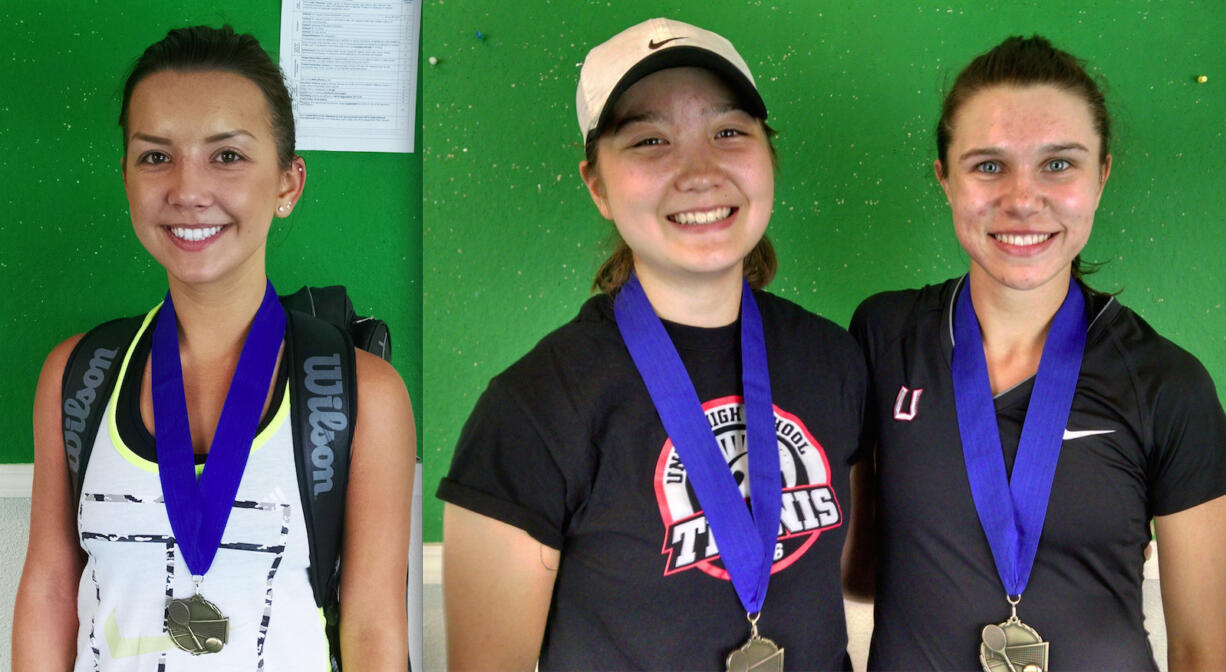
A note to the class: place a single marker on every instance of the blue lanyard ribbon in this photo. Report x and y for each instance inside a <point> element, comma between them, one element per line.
<point>198,510</point>
<point>746,542</point>
<point>1012,510</point>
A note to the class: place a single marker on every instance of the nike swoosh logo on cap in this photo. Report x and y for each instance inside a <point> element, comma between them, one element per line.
<point>652,44</point>
<point>1070,434</point>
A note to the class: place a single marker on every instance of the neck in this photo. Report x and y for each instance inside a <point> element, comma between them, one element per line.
<point>214,318</point>
<point>703,301</point>
<point>1014,324</point>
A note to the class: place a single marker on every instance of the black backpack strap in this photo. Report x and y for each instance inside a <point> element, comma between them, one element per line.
<point>323,399</point>
<point>372,335</point>
<point>322,333</point>
<point>89,378</point>
<point>332,304</point>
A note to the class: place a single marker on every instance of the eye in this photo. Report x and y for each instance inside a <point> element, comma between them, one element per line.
<point>229,156</point>
<point>1058,165</point>
<point>649,142</point>
<point>989,167</point>
<point>153,158</point>
<point>730,133</point>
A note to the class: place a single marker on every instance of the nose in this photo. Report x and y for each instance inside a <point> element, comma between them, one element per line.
<point>700,169</point>
<point>1022,196</point>
<point>190,186</point>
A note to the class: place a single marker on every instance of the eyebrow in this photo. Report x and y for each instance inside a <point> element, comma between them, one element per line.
<point>1045,149</point>
<point>644,117</point>
<point>648,117</point>
<point>229,134</point>
<point>217,137</point>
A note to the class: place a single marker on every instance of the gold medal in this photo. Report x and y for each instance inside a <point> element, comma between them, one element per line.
<point>757,654</point>
<point>1012,646</point>
<point>196,625</point>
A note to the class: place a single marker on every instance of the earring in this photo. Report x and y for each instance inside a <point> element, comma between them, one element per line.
<point>282,208</point>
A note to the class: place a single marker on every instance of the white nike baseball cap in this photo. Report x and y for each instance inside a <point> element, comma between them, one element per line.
<point>656,44</point>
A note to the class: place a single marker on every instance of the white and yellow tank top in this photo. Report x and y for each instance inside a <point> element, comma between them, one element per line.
<point>258,578</point>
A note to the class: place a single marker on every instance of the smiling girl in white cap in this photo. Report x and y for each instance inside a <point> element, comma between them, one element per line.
<point>597,510</point>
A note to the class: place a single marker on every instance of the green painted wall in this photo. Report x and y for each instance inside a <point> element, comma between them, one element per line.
<point>68,257</point>
<point>511,239</point>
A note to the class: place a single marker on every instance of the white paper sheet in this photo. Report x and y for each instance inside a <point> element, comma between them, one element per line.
<point>351,67</point>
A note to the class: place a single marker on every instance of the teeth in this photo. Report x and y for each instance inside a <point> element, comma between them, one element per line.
<point>702,217</point>
<point>194,235</point>
<point>1022,240</point>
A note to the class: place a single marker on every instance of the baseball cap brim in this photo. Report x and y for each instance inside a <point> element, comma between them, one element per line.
<point>679,57</point>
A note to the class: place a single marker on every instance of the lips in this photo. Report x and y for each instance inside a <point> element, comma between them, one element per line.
<point>195,237</point>
<point>701,217</point>
<point>1022,239</point>
<point>1024,244</point>
<point>194,234</point>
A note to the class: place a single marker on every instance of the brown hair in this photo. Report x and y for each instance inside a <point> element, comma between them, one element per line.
<point>759,265</point>
<point>201,49</point>
<point>1029,61</point>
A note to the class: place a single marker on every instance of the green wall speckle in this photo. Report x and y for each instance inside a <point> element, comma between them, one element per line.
<point>512,240</point>
<point>68,257</point>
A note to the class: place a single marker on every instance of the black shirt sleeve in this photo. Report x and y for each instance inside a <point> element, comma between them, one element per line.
<point>867,329</point>
<point>503,468</point>
<point>1188,464</point>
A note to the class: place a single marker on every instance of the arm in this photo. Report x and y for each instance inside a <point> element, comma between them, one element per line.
<point>860,548</point>
<point>45,618</point>
<point>498,584</point>
<point>1191,548</point>
<point>374,629</point>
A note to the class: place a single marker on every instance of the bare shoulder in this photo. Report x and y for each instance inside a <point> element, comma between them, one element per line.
<point>380,387</point>
<point>50,380</point>
<point>385,413</point>
<point>57,359</point>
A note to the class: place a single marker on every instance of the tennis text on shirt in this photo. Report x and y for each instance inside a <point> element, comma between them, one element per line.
<point>809,505</point>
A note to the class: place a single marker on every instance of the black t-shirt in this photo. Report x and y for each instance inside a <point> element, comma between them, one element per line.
<point>1146,436</point>
<point>567,446</point>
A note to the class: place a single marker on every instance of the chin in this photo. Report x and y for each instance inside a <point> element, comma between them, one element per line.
<point>1026,280</point>
<point>715,270</point>
<point>194,278</point>
<point>198,273</point>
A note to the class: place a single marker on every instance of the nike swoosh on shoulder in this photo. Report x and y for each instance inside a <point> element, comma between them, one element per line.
<point>652,44</point>
<point>1070,434</point>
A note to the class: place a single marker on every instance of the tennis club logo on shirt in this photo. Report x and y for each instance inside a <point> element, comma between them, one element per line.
<point>809,504</point>
<point>909,414</point>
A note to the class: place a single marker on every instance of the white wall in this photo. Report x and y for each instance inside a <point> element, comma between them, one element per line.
<point>14,531</point>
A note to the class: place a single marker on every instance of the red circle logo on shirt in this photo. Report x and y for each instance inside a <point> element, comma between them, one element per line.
<point>809,504</point>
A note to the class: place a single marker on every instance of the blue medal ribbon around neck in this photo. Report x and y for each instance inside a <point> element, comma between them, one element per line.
<point>1012,510</point>
<point>746,541</point>
<point>198,510</point>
